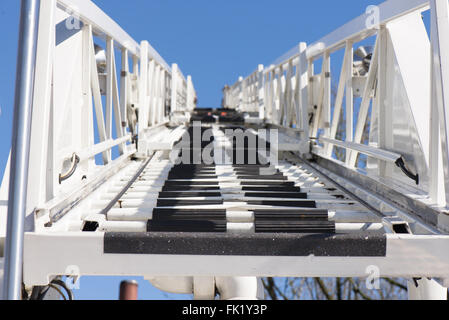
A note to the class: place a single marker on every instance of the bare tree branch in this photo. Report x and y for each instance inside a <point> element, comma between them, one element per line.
<point>323,288</point>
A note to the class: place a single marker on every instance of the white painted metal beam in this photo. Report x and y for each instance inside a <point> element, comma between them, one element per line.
<point>406,256</point>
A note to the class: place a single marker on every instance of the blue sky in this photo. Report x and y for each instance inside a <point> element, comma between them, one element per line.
<point>214,41</point>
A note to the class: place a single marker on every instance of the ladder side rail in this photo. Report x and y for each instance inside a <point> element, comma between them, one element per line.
<point>320,100</point>
<point>73,159</point>
<point>69,113</point>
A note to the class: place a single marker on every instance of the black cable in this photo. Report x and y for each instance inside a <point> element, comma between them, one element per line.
<point>39,292</point>
<point>64,286</point>
<point>51,285</point>
<point>401,164</point>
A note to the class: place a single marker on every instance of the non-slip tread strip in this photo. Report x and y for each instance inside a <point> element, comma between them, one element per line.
<point>258,244</point>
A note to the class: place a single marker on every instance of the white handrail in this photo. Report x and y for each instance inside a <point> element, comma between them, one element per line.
<point>102,24</point>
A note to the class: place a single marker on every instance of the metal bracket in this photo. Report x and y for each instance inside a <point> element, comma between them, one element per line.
<point>73,167</point>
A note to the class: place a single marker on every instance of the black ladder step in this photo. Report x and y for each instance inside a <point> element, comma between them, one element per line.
<point>291,213</point>
<point>294,227</point>
<point>186,226</point>
<point>193,168</point>
<point>187,188</point>
<point>255,170</point>
<point>256,244</point>
<point>276,195</point>
<point>204,216</point>
<point>172,203</point>
<point>268,183</point>
<point>187,211</point>
<point>251,166</point>
<point>283,214</point>
<point>215,224</point>
<point>190,183</point>
<point>273,189</point>
<point>187,170</point>
<point>277,178</point>
<point>192,172</point>
<point>190,176</point>
<point>257,174</point>
<point>279,203</point>
<point>176,194</point>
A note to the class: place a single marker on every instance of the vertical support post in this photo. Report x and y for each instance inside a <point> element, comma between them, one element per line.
<point>326,115</point>
<point>245,96</point>
<point>109,86</point>
<point>310,92</point>
<point>384,110</point>
<point>440,80</point>
<point>158,96</point>
<point>190,94</point>
<point>155,98</point>
<point>436,183</point>
<point>287,96</point>
<point>143,87</point>
<point>124,85</point>
<point>261,91</point>
<point>240,97</point>
<point>267,95</point>
<point>273,114</point>
<point>23,106</point>
<point>174,87</point>
<point>42,138</point>
<point>165,97</point>
<point>303,98</point>
<point>278,95</point>
<point>152,83</point>
<point>349,98</point>
<point>87,92</point>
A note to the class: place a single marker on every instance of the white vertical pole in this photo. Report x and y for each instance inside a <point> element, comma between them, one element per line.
<point>303,91</point>
<point>152,83</point>
<point>87,95</point>
<point>310,93</point>
<point>124,86</point>
<point>278,95</point>
<point>273,100</point>
<point>143,87</point>
<point>155,98</point>
<point>287,96</point>
<point>190,94</point>
<point>267,97</point>
<point>440,79</point>
<point>261,91</point>
<point>241,95</point>
<point>384,110</point>
<point>41,143</point>
<point>326,116</point>
<point>174,87</point>
<point>436,184</point>
<point>109,85</point>
<point>349,98</point>
<point>23,106</point>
